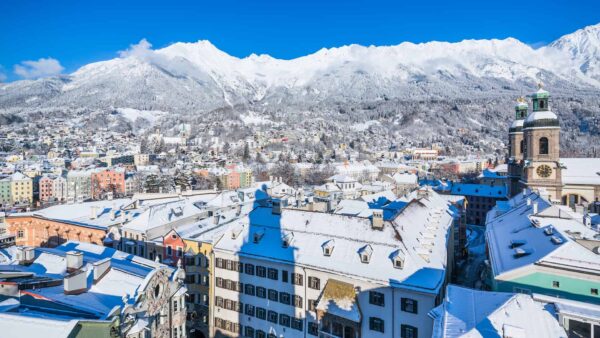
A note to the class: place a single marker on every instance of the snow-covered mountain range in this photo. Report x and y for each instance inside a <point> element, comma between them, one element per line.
<point>197,78</point>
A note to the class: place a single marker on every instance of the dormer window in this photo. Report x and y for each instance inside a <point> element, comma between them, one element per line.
<point>549,230</point>
<point>365,253</point>
<point>328,247</point>
<point>258,235</point>
<point>520,252</point>
<point>235,232</point>
<point>515,243</point>
<point>398,259</point>
<point>287,239</point>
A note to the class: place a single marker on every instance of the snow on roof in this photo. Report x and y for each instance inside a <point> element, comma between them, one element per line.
<point>24,325</point>
<point>352,208</point>
<point>171,210</point>
<point>340,178</point>
<point>516,238</point>
<point>421,229</point>
<point>405,178</point>
<point>18,176</point>
<point>540,115</point>
<point>581,171</point>
<point>517,123</point>
<point>80,213</point>
<point>473,313</point>
<point>381,197</point>
<point>126,275</point>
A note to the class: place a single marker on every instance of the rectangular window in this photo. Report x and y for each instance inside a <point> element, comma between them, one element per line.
<point>284,298</point>
<point>219,263</point>
<point>376,324</point>
<point>313,329</point>
<point>219,302</point>
<point>261,334</point>
<point>273,274</point>
<point>249,269</point>
<point>297,324</point>
<point>261,271</point>
<point>297,278</point>
<point>249,289</point>
<point>261,292</point>
<point>261,313</point>
<point>284,276</point>
<point>228,264</point>
<point>238,266</point>
<point>219,282</point>
<point>284,320</point>
<point>272,317</point>
<point>407,331</point>
<point>376,298</point>
<point>409,305</point>
<point>312,305</point>
<point>314,283</point>
<point>249,332</point>
<point>169,251</point>
<point>249,310</point>
<point>297,301</point>
<point>273,295</point>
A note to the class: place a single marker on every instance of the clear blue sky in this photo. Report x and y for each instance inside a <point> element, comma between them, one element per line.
<point>78,32</point>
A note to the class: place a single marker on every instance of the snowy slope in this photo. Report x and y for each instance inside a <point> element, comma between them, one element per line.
<point>186,77</point>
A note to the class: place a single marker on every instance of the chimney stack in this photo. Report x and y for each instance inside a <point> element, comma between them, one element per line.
<point>276,209</point>
<point>377,219</point>
<point>74,261</point>
<point>75,283</point>
<point>101,268</point>
<point>93,212</point>
<point>535,208</point>
<point>216,218</point>
<point>25,255</point>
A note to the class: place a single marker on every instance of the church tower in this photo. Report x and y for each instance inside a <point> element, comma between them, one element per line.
<point>541,133</point>
<point>516,147</point>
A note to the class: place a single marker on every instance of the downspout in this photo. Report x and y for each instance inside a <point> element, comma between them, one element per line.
<point>303,307</point>
<point>393,315</point>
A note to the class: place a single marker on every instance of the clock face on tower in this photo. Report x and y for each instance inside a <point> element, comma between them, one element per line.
<point>544,171</point>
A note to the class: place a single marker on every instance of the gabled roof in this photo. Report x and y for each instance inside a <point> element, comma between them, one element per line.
<point>473,313</point>
<point>578,171</point>
<point>536,244</point>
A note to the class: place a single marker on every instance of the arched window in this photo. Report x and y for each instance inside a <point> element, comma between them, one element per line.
<point>541,104</point>
<point>522,146</point>
<point>544,146</point>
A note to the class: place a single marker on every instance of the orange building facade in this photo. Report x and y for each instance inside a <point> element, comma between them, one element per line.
<point>38,231</point>
<point>108,181</point>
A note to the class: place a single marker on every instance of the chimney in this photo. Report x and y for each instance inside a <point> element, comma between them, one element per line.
<point>377,219</point>
<point>276,209</point>
<point>178,190</point>
<point>528,201</point>
<point>101,268</point>
<point>25,255</point>
<point>238,209</point>
<point>74,261</point>
<point>216,218</point>
<point>75,283</point>
<point>93,212</point>
<point>535,208</point>
<point>524,192</point>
